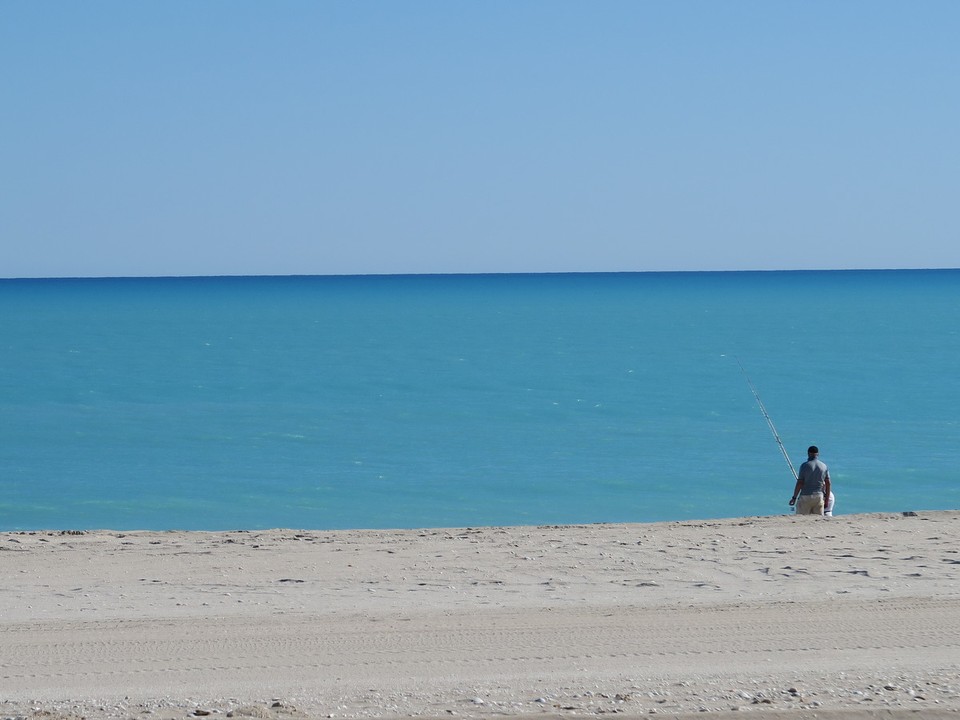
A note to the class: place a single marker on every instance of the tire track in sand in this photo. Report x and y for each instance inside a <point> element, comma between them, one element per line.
<point>224,656</point>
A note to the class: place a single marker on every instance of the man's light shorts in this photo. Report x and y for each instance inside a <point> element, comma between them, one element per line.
<point>810,504</point>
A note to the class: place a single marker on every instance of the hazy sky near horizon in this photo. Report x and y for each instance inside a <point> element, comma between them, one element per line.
<point>229,137</point>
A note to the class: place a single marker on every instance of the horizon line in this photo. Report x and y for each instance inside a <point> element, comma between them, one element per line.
<point>225,276</point>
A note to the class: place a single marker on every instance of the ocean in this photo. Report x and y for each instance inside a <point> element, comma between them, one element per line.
<point>471,400</point>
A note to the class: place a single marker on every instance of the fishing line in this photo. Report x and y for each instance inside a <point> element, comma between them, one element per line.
<point>766,416</point>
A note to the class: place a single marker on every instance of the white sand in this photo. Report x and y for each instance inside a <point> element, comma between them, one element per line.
<point>776,617</point>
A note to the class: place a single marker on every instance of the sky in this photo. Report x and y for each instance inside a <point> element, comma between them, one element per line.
<point>228,137</point>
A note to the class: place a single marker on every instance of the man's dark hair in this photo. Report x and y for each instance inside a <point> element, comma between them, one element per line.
<point>813,450</point>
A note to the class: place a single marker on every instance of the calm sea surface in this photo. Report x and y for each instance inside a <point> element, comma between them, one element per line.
<point>426,401</point>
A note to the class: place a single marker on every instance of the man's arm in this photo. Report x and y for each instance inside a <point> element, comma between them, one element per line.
<point>826,488</point>
<point>796,491</point>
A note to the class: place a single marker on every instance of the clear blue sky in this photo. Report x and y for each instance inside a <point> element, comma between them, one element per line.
<point>278,137</point>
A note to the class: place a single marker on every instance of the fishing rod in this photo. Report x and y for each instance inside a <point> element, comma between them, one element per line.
<point>766,416</point>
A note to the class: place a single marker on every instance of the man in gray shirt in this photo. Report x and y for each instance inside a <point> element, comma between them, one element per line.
<point>813,485</point>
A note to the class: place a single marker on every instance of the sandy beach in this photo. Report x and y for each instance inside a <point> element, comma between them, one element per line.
<point>778,617</point>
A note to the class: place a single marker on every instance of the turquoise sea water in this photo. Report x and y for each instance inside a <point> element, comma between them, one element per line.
<point>419,401</point>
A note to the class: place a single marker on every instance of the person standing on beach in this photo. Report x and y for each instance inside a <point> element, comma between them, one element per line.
<point>813,485</point>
